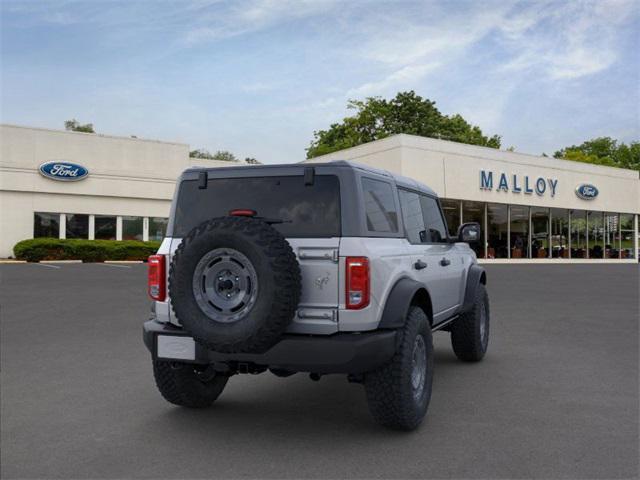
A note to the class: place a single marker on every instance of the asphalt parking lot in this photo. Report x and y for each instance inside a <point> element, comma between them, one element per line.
<point>556,397</point>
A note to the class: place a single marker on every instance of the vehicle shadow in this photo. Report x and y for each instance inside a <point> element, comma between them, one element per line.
<point>291,408</point>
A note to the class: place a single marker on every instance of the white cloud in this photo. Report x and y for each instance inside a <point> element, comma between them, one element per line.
<point>251,16</point>
<point>405,77</point>
<point>564,41</point>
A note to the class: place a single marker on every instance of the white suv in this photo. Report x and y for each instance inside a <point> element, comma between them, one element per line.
<point>324,268</point>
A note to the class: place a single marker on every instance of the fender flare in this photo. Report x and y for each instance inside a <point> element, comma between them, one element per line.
<point>475,276</point>
<point>398,302</point>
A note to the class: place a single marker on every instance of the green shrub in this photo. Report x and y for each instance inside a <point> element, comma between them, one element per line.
<point>37,249</point>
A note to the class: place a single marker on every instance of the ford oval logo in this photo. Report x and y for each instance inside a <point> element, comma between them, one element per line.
<point>64,171</point>
<point>586,191</point>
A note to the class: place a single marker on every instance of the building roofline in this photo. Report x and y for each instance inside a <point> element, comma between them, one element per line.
<point>447,146</point>
<point>102,135</point>
<point>507,153</point>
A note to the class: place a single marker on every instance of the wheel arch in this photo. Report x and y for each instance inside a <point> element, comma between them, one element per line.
<point>404,294</point>
<point>475,277</point>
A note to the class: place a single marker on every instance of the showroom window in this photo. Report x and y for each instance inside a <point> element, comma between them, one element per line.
<point>132,228</point>
<point>46,225</point>
<point>474,212</point>
<point>77,226</point>
<point>451,210</point>
<point>611,235</point>
<point>595,237</point>
<point>559,233</point>
<point>497,231</point>
<point>380,208</point>
<point>539,232</point>
<point>578,234</point>
<point>626,236</point>
<point>519,231</point>
<point>105,227</point>
<point>157,228</point>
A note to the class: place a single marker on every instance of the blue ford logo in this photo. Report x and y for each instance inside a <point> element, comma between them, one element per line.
<point>64,171</point>
<point>586,191</point>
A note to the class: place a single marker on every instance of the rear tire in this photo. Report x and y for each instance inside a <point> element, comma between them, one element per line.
<point>184,385</point>
<point>470,332</point>
<point>399,393</point>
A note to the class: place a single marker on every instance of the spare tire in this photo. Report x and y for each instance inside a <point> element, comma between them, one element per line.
<point>234,284</point>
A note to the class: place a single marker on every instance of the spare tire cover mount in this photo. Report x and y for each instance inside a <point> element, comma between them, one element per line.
<point>225,285</point>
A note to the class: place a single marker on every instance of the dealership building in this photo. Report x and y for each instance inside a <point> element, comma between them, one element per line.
<point>121,190</point>
<point>532,209</point>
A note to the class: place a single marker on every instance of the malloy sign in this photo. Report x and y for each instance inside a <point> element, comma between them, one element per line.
<point>518,183</point>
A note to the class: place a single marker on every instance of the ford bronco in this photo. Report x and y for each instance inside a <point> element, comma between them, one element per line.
<point>321,268</point>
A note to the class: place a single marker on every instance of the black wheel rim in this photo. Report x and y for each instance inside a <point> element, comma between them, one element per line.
<point>418,367</point>
<point>484,331</point>
<point>225,285</point>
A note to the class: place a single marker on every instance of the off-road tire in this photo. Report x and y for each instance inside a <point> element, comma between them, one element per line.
<point>468,339</point>
<point>389,390</point>
<point>180,384</point>
<point>279,284</point>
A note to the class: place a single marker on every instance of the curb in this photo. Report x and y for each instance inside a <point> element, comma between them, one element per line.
<point>60,261</point>
<point>557,261</point>
<point>8,261</point>
<point>124,261</point>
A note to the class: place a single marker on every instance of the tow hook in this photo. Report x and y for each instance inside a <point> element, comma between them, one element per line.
<point>207,374</point>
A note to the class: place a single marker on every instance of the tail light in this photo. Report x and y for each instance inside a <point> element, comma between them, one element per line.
<point>156,279</point>
<point>357,282</point>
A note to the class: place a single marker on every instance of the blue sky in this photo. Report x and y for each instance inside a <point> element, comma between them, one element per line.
<point>258,77</point>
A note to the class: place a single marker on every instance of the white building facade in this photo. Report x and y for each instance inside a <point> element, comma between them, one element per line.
<point>126,193</point>
<point>531,208</point>
<point>78,185</point>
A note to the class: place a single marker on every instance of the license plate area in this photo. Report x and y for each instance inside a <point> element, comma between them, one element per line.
<point>174,347</point>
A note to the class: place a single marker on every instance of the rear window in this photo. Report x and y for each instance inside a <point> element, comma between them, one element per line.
<point>307,210</point>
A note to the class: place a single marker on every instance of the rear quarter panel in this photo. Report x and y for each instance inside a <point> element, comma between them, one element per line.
<point>389,261</point>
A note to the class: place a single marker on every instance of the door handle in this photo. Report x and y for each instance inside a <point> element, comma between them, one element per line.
<point>445,261</point>
<point>419,265</point>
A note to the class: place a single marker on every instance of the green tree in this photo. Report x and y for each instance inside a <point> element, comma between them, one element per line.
<point>604,151</point>
<point>74,126</point>
<point>201,153</point>
<point>222,155</point>
<point>377,118</point>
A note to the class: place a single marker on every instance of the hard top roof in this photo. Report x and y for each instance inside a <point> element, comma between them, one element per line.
<point>399,179</point>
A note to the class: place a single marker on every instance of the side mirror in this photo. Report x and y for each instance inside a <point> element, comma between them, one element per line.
<point>469,232</point>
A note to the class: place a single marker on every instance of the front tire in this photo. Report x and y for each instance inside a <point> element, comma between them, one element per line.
<point>470,332</point>
<point>398,394</point>
<point>187,385</point>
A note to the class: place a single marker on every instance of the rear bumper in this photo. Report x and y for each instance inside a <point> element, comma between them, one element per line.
<point>338,353</point>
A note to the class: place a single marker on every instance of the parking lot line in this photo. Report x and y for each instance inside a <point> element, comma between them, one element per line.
<point>113,265</point>
<point>47,265</point>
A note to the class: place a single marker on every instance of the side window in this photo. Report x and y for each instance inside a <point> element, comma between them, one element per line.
<point>412,216</point>
<point>380,207</point>
<point>436,231</point>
